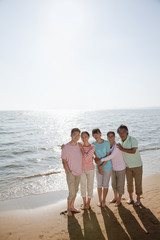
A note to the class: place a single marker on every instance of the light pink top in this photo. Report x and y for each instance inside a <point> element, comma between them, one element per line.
<point>87,159</point>
<point>73,156</point>
<point>116,158</point>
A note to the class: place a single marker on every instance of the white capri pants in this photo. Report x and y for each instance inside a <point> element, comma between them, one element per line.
<point>103,180</point>
<point>87,181</point>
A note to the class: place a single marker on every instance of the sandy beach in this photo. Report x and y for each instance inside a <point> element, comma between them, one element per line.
<point>38,217</point>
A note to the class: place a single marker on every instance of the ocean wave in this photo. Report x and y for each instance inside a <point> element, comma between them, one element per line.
<point>149,149</point>
<point>22,152</point>
<point>41,175</point>
<point>6,156</point>
<point>7,132</point>
<point>12,166</point>
<point>50,148</point>
<point>46,148</point>
<point>9,143</point>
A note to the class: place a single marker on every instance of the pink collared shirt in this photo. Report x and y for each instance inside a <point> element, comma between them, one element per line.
<point>73,156</point>
<point>116,158</point>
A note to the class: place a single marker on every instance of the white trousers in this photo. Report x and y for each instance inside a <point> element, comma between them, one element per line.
<point>87,182</point>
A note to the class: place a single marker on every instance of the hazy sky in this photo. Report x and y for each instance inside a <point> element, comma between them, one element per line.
<point>83,54</point>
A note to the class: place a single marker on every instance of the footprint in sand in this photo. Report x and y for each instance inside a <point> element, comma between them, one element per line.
<point>41,236</point>
<point>63,213</point>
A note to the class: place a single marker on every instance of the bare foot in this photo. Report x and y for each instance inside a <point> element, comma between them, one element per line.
<point>88,206</point>
<point>113,200</point>
<point>103,204</point>
<point>69,213</point>
<point>63,212</point>
<point>137,203</point>
<point>117,203</point>
<point>99,204</point>
<point>75,210</point>
<point>130,201</point>
<point>84,206</point>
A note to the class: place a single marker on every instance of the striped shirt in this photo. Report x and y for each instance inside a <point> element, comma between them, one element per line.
<point>87,159</point>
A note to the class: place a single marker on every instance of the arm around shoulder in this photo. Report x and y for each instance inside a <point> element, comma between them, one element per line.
<point>131,150</point>
<point>112,155</point>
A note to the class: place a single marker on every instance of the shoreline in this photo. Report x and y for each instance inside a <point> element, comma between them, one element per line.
<point>33,201</point>
<point>46,199</point>
<point>37,217</point>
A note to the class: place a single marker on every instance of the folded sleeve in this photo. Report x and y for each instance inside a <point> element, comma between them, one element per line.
<point>64,153</point>
<point>134,143</point>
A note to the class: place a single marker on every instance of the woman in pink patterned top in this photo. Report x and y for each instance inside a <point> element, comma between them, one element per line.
<point>88,170</point>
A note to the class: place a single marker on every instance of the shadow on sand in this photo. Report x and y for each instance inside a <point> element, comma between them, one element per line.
<point>132,226</point>
<point>92,230</point>
<point>149,221</point>
<point>113,228</point>
<point>74,229</point>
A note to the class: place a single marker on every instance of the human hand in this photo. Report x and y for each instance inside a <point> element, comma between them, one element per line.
<point>100,167</point>
<point>119,146</point>
<point>100,171</point>
<point>80,145</point>
<point>97,160</point>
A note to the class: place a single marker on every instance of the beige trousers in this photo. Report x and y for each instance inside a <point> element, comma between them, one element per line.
<point>73,184</point>
<point>118,181</point>
<point>136,174</point>
<point>87,181</point>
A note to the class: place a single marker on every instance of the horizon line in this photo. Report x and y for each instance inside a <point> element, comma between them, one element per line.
<point>81,109</point>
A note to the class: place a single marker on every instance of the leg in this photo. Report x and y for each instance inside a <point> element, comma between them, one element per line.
<point>129,175</point>
<point>120,185</point>
<point>84,203</point>
<point>118,202</point>
<point>69,213</point>
<point>83,188</point>
<point>138,183</point>
<point>115,197</point>
<point>88,203</point>
<point>106,179</point>
<point>71,196</point>
<point>105,191</point>
<point>99,196</point>
<point>72,203</point>
<point>73,209</point>
<point>114,187</point>
<point>77,181</point>
<point>119,198</point>
<point>90,182</point>
<point>99,187</point>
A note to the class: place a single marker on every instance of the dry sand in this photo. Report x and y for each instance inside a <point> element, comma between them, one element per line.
<point>36,217</point>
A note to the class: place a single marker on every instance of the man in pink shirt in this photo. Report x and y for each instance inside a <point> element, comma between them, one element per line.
<point>72,163</point>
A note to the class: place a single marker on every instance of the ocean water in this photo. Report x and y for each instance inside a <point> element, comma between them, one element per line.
<point>30,152</point>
